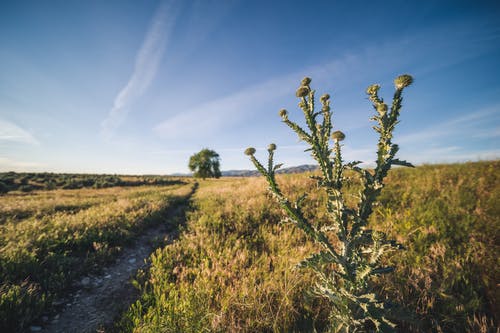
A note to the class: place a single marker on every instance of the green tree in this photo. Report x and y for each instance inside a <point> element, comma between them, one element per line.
<point>205,164</point>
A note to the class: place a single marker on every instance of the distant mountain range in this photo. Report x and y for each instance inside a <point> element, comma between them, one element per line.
<point>254,173</point>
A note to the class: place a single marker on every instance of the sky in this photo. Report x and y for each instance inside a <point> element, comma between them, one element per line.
<point>137,87</point>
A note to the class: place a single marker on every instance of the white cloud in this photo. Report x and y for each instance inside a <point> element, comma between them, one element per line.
<point>214,115</point>
<point>452,155</point>
<point>470,125</point>
<point>8,164</point>
<point>146,65</point>
<point>12,132</point>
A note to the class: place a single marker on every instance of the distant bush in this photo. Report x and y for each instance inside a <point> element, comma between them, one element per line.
<point>26,188</point>
<point>3,188</point>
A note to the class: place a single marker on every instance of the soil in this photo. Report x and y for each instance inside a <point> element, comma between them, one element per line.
<point>96,301</point>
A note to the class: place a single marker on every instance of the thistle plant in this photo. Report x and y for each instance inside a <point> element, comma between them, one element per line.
<point>351,253</point>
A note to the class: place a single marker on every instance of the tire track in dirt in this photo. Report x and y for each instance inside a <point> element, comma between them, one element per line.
<point>98,300</point>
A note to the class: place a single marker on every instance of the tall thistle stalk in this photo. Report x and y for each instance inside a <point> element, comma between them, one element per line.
<point>351,253</point>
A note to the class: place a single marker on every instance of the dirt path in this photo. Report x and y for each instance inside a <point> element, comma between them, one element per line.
<point>97,300</point>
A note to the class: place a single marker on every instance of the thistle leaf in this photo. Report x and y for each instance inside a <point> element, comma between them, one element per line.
<point>402,163</point>
<point>383,270</point>
<point>277,166</point>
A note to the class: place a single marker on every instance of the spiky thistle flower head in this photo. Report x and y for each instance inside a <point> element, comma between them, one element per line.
<point>302,91</point>
<point>306,81</point>
<point>373,89</point>
<point>250,151</point>
<point>338,136</point>
<point>324,98</point>
<point>403,81</point>
<point>271,147</point>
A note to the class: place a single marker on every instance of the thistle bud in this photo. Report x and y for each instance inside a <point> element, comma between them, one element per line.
<point>250,151</point>
<point>373,89</point>
<point>324,98</point>
<point>338,136</point>
<point>283,113</point>
<point>382,108</point>
<point>271,147</point>
<point>306,81</point>
<point>302,91</point>
<point>403,81</point>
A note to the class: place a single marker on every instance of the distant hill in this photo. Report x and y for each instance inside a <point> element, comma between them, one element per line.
<point>253,173</point>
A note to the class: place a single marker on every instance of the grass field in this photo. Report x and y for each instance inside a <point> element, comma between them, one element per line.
<point>233,267</point>
<point>49,238</point>
<point>232,270</point>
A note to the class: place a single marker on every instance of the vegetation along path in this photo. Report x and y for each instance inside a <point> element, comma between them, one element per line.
<point>97,300</point>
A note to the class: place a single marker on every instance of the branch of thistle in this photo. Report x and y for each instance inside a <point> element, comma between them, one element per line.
<point>372,185</point>
<point>294,213</point>
<point>321,152</point>
<point>319,137</point>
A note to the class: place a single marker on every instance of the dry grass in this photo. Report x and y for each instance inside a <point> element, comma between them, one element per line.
<point>44,247</point>
<point>233,267</point>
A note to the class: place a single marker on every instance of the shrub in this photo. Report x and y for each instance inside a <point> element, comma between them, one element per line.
<point>3,188</point>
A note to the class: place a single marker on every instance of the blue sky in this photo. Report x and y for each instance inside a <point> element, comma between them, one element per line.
<point>137,87</point>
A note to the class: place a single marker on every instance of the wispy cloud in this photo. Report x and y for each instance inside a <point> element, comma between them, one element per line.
<point>214,115</point>
<point>452,154</point>
<point>146,65</point>
<point>11,132</point>
<point>211,116</point>
<point>230,149</point>
<point>472,124</point>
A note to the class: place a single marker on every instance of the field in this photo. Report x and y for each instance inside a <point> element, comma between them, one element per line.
<point>49,238</point>
<point>232,268</point>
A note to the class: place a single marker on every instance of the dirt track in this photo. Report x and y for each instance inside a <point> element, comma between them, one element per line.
<point>98,300</point>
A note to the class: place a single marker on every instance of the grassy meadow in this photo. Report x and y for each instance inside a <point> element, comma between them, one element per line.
<point>50,238</point>
<point>233,267</point>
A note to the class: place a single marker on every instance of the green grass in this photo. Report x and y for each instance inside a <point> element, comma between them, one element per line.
<point>47,239</point>
<point>27,182</point>
<point>232,269</point>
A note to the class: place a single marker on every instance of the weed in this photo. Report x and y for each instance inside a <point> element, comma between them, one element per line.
<point>346,266</point>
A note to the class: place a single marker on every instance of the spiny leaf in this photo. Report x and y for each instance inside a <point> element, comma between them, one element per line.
<point>402,163</point>
<point>383,270</point>
<point>277,166</point>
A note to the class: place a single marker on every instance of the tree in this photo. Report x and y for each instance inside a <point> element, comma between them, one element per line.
<point>205,164</point>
